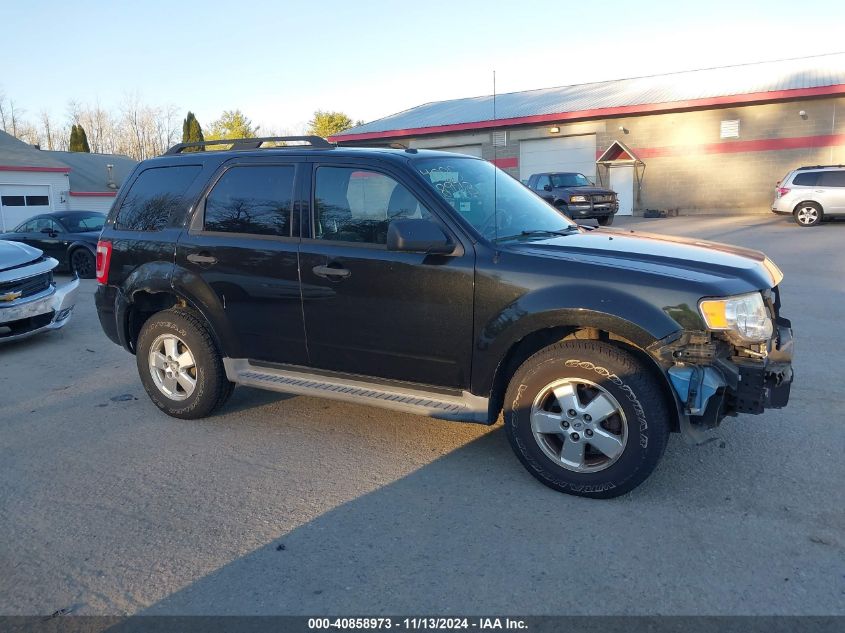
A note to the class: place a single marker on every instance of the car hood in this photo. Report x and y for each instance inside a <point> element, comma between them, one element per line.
<point>590,191</point>
<point>13,254</point>
<point>676,257</point>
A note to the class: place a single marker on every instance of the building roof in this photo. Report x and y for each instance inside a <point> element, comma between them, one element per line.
<point>16,153</point>
<point>89,172</point>
<point>733,85</point>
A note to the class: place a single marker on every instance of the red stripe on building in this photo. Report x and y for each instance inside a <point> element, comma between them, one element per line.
<point>102,194</point>
<point>645,108</point>
<point>733,147</point>
<point>505,163</point>
<point>47,169</point>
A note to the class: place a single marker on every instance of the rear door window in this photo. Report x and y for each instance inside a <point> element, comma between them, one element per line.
<point>157,194</point>
<point>832,179</point>
<point>253,199</point>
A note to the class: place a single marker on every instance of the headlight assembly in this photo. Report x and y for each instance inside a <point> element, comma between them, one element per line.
<point>577,198</point>
<point>745,315</point>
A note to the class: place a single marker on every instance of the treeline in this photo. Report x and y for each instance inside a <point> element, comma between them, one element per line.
<point>140,130</point>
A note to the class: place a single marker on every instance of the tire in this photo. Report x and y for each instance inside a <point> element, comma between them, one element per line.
<point>808,214</point>
<point>168,385</point>
<point>605,220</point>
<point>83,264</point>
<point>633,437</point>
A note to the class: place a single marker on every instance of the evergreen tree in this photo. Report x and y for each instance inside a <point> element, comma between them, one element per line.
<point>192,132</point>
<point>83,140</point>
<point>73,145</point>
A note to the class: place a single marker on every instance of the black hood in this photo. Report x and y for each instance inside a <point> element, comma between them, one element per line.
<point>588,191</point>
<point>730,268</point>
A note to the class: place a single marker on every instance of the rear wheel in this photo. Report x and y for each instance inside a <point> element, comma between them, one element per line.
<point>808,214</point>
<point>180,366</point>
<point>82,263</point>
<point>586,418</point>
<point>605,220</point>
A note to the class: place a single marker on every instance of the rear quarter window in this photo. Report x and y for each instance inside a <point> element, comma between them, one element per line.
<point>157,194</point>
<point>806,179</point>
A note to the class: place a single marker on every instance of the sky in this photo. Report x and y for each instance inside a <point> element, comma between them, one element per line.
<point>280,61</point>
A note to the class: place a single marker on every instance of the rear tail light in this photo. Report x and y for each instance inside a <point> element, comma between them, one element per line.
<point>782,191</point>
<point>103,261</point>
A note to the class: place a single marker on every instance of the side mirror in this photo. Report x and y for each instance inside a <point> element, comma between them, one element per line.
<point>547,187</point>
<point>417,236</point>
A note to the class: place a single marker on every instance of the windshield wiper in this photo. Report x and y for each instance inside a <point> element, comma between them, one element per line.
<point>535,232</point>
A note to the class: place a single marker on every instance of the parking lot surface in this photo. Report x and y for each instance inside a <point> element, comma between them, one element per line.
<point>293,505</point>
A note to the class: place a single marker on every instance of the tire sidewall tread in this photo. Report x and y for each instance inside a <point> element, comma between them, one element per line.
<point>638,393</point>
<point>212,387</point>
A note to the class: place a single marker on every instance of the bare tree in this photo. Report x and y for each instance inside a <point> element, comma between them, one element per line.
<point>47,130</point>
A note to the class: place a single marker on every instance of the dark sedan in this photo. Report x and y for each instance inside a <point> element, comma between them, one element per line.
<point>68,236</point>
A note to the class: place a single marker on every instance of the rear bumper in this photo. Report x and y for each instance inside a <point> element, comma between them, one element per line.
<point>48,311</point>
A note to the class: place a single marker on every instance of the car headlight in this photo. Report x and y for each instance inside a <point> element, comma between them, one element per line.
<point>577,198</point>
<point>746,315</point>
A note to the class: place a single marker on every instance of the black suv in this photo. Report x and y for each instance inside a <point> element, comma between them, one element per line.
<point>435,284</point>
<point>576,196</point>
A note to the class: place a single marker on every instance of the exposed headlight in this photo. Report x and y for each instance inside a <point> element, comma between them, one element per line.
<point>746,315</point>
<point>577,198</point>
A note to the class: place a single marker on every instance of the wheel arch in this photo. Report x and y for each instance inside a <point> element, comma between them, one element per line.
<point>809,202</point>
<point>614,331</point>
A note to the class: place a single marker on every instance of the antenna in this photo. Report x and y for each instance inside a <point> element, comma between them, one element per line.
<point>495,166</point>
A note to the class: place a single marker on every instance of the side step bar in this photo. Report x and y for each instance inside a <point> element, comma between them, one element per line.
<point>465,407</point>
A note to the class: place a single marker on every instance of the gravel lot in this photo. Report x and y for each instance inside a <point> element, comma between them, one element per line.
<point>292,505</point>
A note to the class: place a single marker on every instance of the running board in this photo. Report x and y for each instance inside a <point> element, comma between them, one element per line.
<point>465,407</point>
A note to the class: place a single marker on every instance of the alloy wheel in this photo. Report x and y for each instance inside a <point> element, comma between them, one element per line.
<point>172,367</point>
<point>579,425</point>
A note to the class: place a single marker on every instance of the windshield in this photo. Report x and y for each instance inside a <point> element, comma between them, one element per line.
<point>570,180</point>
<point>82,222</point>
<point>468,185</point>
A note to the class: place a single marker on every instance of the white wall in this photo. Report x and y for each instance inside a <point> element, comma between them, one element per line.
<point>57,183</point>
<point>90,203</point>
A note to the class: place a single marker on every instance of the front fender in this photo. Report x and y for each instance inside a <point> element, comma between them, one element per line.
<point>576,306</point>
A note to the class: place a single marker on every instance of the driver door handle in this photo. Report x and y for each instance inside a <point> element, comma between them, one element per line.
<point>202,260</point>
<point>331,271</point>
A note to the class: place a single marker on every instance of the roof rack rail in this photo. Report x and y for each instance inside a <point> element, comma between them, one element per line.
<point>316,142</point>
<point>817,167</point>
<point>373,144</point>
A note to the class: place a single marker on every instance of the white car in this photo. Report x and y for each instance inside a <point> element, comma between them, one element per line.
<point>30,300</point>
<point>812,194</point>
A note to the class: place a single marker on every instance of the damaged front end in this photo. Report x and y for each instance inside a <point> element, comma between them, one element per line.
<point>716,374</point>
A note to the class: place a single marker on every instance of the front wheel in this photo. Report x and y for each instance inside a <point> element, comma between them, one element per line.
<point>586,418</point>
<point>180,366</point>
<point>605,220</point>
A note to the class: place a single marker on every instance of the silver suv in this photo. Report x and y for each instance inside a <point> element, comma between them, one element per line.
<point>812,194</point>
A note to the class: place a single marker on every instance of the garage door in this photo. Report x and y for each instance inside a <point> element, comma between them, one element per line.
<point>469,150</point>
<point>19,202</point>
<point>568,153</point>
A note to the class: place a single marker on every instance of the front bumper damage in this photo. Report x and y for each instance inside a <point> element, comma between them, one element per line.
<point>713,378</point>
<point>48,310</point>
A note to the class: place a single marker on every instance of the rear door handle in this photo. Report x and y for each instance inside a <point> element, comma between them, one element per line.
<point>202,260</point>
<point>331,271</point>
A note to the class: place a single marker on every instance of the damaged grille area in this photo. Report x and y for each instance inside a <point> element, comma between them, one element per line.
<point>27,287</point>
